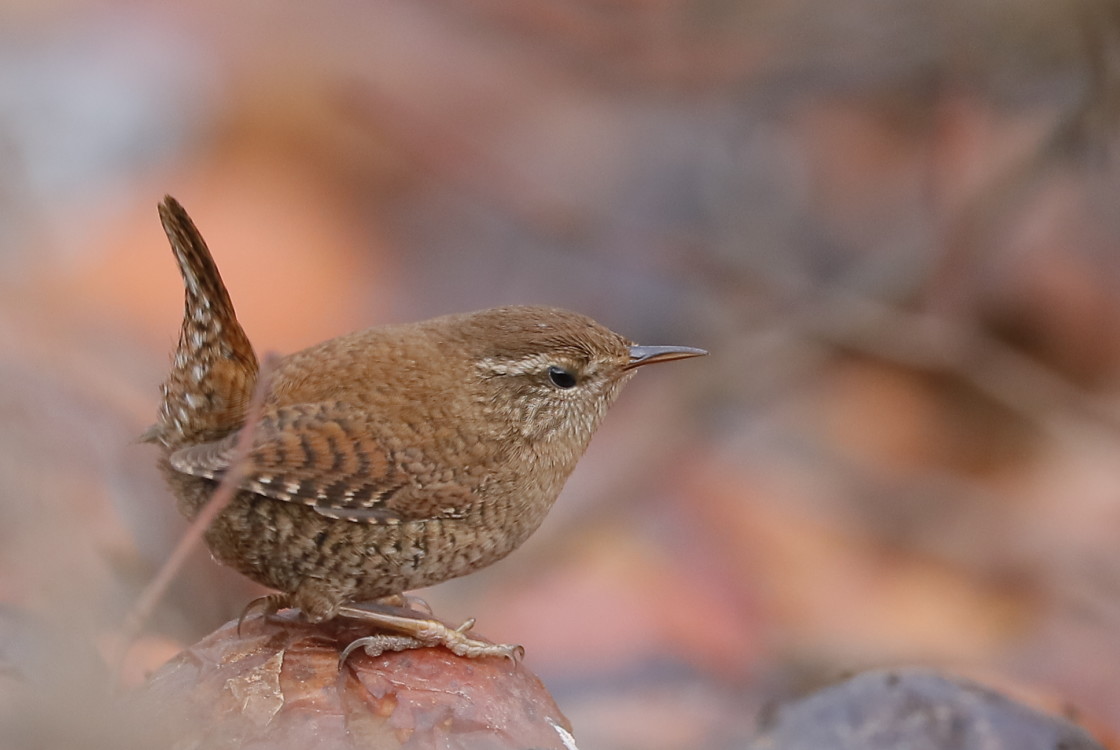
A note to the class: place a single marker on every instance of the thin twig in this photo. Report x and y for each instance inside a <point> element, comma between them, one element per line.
<point>150,596</point>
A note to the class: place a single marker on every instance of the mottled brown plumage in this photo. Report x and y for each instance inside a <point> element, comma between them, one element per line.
<point>386,459</point>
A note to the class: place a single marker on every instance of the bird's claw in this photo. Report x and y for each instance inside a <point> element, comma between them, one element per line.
<point>267,605</point>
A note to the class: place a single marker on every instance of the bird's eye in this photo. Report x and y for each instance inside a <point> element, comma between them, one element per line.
<point>561,378</point>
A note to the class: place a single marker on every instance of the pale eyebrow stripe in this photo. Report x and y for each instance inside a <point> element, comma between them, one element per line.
<point>523,366</point>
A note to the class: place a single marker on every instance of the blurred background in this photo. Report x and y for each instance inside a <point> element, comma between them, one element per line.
<point>894,225</point>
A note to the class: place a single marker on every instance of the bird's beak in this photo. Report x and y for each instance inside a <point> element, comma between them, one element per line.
<point>647,355</point>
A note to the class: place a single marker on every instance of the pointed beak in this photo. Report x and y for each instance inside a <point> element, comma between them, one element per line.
<point>647,355</point>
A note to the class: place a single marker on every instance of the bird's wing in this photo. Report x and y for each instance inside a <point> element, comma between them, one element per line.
<point>324,455</point>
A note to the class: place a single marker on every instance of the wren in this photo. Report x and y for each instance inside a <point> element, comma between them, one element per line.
<point>387,459</point>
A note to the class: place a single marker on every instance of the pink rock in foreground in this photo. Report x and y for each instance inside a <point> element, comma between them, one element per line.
<point>278,685</point>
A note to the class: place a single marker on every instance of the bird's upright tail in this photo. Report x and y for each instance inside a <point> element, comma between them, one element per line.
<point>214,368</point>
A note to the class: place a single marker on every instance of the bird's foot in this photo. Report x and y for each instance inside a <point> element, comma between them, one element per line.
<point>411,630</point>
<point>376,645</point>
<point>266,605</point>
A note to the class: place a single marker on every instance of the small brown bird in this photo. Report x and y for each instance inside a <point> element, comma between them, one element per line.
<point>387,459</point>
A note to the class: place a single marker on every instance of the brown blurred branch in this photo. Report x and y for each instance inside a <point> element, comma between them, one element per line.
<point>932,342</point>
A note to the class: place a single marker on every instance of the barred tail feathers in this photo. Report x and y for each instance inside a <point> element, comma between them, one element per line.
<point>214,368</point>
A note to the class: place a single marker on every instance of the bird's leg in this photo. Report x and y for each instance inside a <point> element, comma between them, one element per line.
<point>407,601</point>
<point>411,630</point>
<point>267,605</point>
